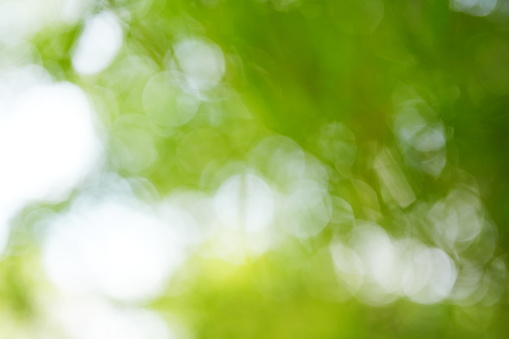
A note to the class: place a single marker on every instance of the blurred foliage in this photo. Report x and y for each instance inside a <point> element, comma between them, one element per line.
<point>357,113</point>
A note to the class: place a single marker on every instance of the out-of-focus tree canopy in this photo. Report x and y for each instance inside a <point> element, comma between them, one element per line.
<point>254,169</point>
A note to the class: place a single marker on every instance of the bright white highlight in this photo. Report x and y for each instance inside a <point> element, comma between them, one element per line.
<point>379,269</point>
<point>244,206</point>
<point>200,62</point>
<point>113,247</point>
<point>433,275</point>
<point>98,44</point>
<point>245,202</point>
<point>48,140</point>
<point>47,143</point>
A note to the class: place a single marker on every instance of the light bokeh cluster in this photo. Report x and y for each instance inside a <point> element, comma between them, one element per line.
<point>307,169</point>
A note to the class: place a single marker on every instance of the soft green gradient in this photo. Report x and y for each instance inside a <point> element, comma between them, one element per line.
<point>343,164</point>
